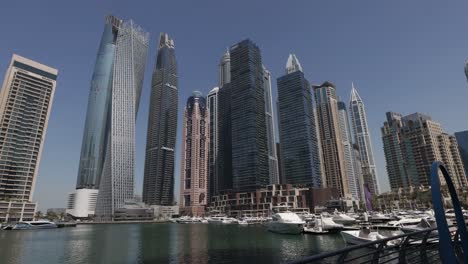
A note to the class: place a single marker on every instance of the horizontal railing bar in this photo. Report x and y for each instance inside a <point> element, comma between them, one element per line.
<point>361,246</point>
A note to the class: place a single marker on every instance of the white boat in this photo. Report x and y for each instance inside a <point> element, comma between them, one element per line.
<point>187,220</point>
<point>221,219</point>
<point>286,223</point>
<point>425,223</point>
<point>34,225</point>
<point>330,225</point>
<point>357,237</point>
<point>343,219</point>
<point>317,229</point>
<point>229,220</point>
<point>402,223</point>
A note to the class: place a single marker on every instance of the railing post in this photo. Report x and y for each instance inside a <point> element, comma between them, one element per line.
<point>376,255</point>
<point>446,251</point>
<point>402,253</point>
<point>422,250</point>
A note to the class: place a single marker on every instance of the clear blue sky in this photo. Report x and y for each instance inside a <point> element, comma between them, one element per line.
<point>403,56</point>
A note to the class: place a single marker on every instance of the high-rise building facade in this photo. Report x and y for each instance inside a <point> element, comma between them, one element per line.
<point>225,69</point>
<point>96,130</point>
<point>270,129</point>
<point>224,157</point>
<point>411,144</point>
<point>250,167</point>
<point>362,139</point>
<point>25,104</point>
<point>195,155</point>
<point>297,128</point>
<point>127,72</point>
<point>212,105</point>
<point>462,139</point>
<point>223,170</point>
<point>331,138</point>
<point>353,178</point>
<point>158,183</point>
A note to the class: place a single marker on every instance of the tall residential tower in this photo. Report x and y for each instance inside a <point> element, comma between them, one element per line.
<point>250,168</point>
<point>158,183</point>
<point>331,138</point>
<point>411,144</point>
<point>25,103</point>
<point>300,159</point>
<point>130,48</point>
<point>361,133</point>
<point>353,178</point>
<point>270,129</point>
<point>195,154</point>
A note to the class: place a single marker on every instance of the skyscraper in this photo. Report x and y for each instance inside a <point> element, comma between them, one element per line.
<point>225,69</point>
<point>411,144</point>
<point>462,139</point>
<point>25,103</point>
<point>195,142</point>
<point>353,178</point>
<point>212,105</point>
<point>361,133</point>
<point>297,129</point>
<point>158,184</point>
<point>223,170</point>
<point>331,138</point>
<point>270,129</point>
<point>126,68</point>
<point>248,125</point>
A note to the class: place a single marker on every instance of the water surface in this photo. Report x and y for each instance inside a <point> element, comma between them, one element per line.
<point>160,243</point>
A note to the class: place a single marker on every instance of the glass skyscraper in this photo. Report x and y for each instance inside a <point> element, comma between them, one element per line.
<point>212,105</point>
<point>158,183</point>
<point>121,64</point>
<point>270,128</point>
<point>250,168</point>
<point>298,137</point>
<point>361,133</point>
<point>97,123</point>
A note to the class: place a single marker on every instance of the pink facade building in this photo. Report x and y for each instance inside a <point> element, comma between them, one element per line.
<point>194,174</point>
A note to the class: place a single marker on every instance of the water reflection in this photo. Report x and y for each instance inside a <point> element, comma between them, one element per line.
<point>159,243</point>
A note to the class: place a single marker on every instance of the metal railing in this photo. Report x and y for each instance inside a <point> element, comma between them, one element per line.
<point>416,247</point>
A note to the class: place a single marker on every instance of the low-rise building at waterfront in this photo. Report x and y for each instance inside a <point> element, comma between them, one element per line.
<point>163,212</point>
<point>15,211</point>
<point>82,203</point>
<point>263,200</point>
<point>134,211</point>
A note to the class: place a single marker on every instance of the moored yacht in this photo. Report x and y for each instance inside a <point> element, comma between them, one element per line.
<point>43,224</point>
<point>286,223</point>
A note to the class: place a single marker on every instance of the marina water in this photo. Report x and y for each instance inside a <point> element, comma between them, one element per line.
<point>160,243</point>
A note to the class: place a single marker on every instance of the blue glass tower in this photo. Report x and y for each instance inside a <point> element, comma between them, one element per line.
<point>298,136</point>
<point>250,167</point>
<point>97,122</point>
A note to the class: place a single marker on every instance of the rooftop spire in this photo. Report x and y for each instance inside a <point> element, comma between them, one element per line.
<point>293,64</point>
<point>354,94</point>
<point>165,40</point>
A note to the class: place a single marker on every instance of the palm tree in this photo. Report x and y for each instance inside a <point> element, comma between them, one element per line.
<point>38,215</point>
